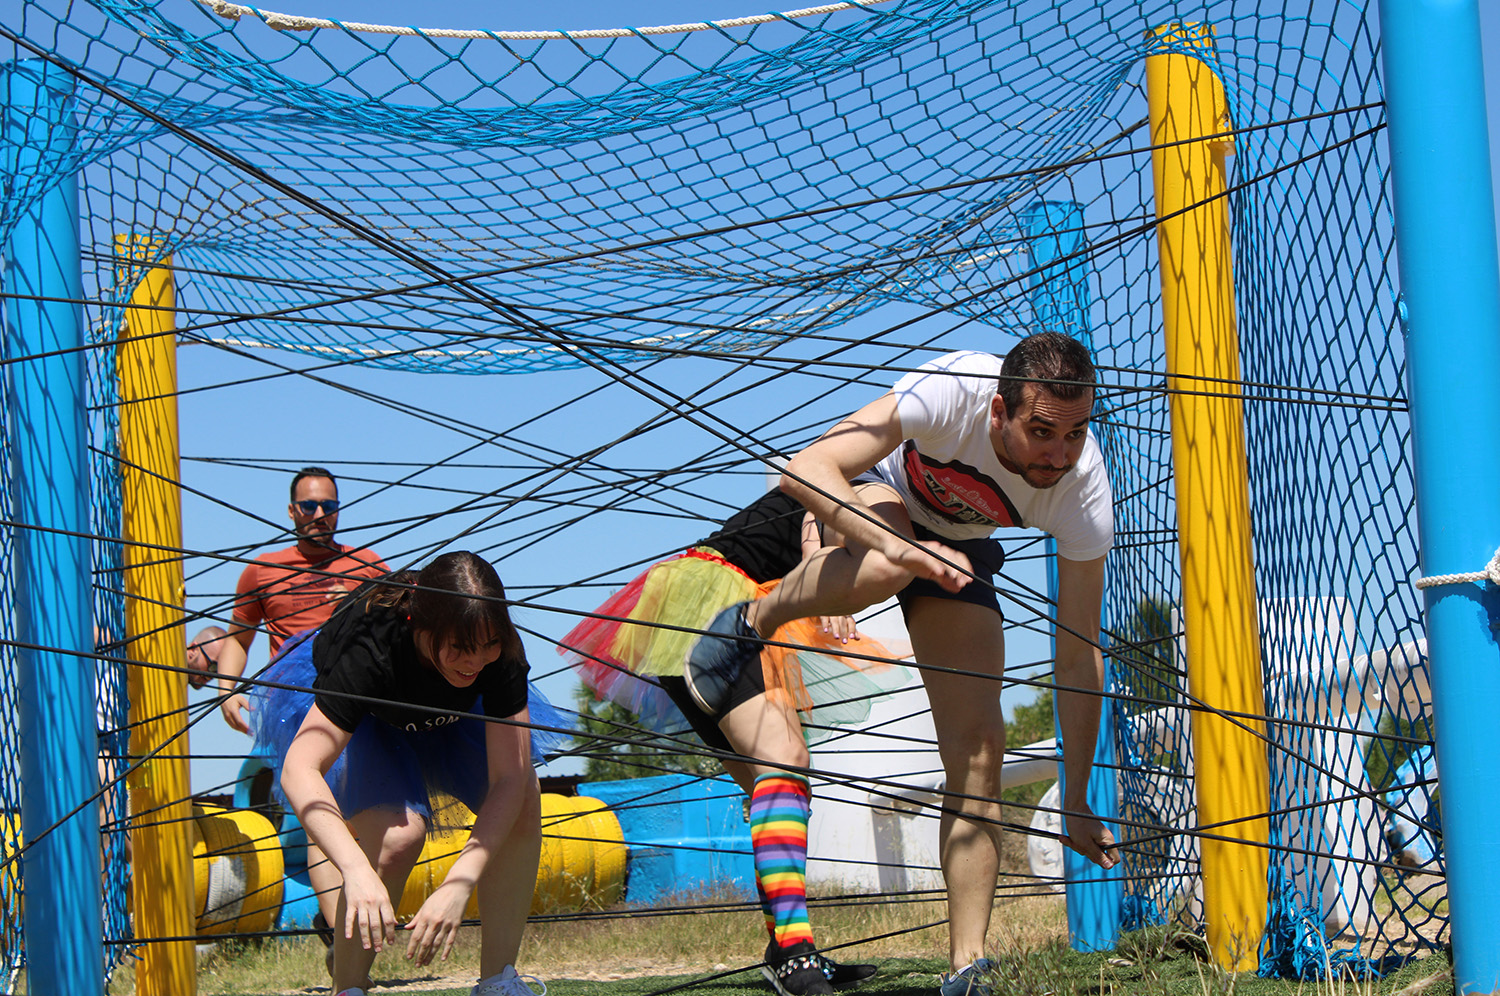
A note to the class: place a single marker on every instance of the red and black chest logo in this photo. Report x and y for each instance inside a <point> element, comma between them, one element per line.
<point>953,490</point>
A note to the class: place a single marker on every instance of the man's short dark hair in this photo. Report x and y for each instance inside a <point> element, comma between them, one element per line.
<point>313,472</point>
<point>1060,363</point>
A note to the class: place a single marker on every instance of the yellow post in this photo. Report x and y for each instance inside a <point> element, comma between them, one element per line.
<point>1187,101</point>
<point>162,850</point>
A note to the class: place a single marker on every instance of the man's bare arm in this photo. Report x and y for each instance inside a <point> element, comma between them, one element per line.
<point>234,651</point>
<point>819,477</point>
<point>1080,590</point>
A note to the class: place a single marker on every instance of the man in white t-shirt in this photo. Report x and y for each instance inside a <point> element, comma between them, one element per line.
<point>908,490</point>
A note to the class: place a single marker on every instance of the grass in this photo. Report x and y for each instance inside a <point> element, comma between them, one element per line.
<point>717,954</point>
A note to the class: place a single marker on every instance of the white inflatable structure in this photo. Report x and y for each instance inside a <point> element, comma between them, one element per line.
<point>875,820</point>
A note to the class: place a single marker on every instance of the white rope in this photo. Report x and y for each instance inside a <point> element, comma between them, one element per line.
<point>295,22</point>
<point>1491,573</point>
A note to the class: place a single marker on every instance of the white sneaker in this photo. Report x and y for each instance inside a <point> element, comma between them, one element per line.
<point>352,992</point>
<point>508,983</point>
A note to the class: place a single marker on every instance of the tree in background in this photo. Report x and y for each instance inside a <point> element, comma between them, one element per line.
<point>639,756</point>
<point>1145,660</point>
<point>1029,723</point>
<point>1386,753</point>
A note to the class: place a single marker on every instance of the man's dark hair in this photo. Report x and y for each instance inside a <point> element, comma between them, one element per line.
<point>313,472</point>
<point>1058,362</point>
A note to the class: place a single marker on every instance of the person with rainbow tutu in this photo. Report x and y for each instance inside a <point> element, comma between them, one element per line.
<point>631,651</point>
<point>412,695</point>
<point>909,490</point>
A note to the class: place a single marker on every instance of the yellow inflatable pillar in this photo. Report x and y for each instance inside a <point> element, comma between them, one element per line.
<point>1187,102</point>
<point>162,850</point>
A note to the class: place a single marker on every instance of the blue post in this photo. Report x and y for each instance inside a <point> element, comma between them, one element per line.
<point>50,484</point>
<point>1060,303</point>
<point>1445,238</point>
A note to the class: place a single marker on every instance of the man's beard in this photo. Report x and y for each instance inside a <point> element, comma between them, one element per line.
<point>1044,484</point>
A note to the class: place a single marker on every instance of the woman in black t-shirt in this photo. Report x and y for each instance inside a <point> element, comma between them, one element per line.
<point>387,734</point>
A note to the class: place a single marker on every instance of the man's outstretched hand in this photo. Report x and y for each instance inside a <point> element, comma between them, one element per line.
<point>1090,838</point>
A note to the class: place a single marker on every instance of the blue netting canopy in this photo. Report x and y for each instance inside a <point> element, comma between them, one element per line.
<point>462,199</point>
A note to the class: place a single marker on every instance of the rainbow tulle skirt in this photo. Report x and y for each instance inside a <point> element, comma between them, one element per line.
<point>647,628</point>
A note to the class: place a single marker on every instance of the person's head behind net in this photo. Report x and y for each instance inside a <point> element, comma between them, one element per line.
<point>314,506</point>
<point>458,601</point>
<point>306,472</point>
<point>1056,363</point>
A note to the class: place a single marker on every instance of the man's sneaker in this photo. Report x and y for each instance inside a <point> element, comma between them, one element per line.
<point>508,983</point>
<point>718,658</point>
<point>839,976</point>
<point>969,981</point>
<point>796,970</point>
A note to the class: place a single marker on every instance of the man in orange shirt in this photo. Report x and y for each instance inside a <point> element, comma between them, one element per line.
<point>289,591</point>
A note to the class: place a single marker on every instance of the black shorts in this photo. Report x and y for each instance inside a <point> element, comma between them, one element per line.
<point>752,683</point>
<point>763,539</point>
<point>987,556</point>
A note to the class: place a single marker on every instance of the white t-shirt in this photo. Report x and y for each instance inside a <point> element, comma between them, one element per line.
<point>953,483</point>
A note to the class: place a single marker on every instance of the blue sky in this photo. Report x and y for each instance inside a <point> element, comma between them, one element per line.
<point>307,423</point>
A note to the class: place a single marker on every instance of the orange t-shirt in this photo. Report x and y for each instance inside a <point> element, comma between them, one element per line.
<point>284,593</point>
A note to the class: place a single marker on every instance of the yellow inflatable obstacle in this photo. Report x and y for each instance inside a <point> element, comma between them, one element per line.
<point>583,858</point>
<point>237,871</point>
<point>238,864</point>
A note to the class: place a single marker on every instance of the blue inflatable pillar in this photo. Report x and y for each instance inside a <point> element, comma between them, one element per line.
<point>47,444</point>
<point>1450,290</point>
<point>1060,303</point>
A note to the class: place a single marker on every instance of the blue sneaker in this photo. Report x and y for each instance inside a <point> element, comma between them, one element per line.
<point>718,658</point>
<point>969,981</point>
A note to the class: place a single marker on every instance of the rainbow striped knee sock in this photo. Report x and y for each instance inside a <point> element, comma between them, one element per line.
<point>779,806</point>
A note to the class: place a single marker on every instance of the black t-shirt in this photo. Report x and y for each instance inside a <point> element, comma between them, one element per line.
<point>368,650</point>
<point>763,540</point>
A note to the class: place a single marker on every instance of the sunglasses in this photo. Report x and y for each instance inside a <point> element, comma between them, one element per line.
<point>210,667</point>
<point>329,506</point>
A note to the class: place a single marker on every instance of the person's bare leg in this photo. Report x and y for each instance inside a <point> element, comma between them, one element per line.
<point>325,880</point>
<point>506,886</point>
<point>768,733</point>
<point>970,729</point>
<point>741,773</point>
<point>837,580</point>
<point>393,842</point>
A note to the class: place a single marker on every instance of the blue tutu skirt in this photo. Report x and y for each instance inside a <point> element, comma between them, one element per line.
<point>386,767</point>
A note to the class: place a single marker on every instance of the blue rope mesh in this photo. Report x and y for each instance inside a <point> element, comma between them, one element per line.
<point>527,204</point>
<point>11,945</point>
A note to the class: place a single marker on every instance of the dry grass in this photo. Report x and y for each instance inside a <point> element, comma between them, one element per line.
<point>693,938</point>
<point>701,942</point>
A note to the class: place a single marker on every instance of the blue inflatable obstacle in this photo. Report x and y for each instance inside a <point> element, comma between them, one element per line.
<point>668,838</point>
<point>686,834</point>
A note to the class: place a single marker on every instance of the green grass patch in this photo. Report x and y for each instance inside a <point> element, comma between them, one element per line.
<point>708,949</point>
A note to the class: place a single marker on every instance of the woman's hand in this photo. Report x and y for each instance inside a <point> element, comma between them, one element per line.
<point>436,923</point>
<point>841,628</point>
<point>369,909</point>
